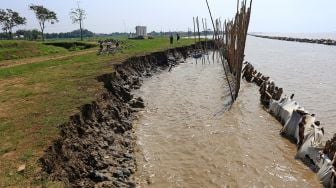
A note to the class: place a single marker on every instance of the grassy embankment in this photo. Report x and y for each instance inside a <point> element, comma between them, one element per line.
<point>36,97</point>
<point>14,50</point>
<point>23,49</point>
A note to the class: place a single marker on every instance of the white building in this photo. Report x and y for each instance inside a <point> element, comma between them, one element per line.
<point>141,31</point>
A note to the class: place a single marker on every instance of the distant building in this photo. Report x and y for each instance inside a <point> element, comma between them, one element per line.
<point>141,31</point>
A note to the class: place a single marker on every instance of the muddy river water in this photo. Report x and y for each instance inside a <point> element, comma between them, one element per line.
<point>308,70</point>
<point>187,139</point>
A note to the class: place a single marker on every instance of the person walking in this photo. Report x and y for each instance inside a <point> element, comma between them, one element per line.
<point>171,39</point>
<point>177,37</point>
<point>101,46</point>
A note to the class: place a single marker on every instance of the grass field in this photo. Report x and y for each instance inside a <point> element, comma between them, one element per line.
<point>23,49</point>
<point>19,49</point>
<point>36,97</point>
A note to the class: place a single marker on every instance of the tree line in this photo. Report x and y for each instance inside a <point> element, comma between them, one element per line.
<point>10,19</point>
<point>34,34</point>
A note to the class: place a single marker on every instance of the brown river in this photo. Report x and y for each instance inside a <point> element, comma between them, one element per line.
<point>187,138</point>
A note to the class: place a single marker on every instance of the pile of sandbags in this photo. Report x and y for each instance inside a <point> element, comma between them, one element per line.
<point>299,125</point>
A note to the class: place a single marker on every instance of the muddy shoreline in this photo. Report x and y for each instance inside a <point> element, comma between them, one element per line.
<point>328,42</point>
<point>96,146</point>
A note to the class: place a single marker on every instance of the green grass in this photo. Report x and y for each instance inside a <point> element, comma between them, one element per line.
<point>14,49</point>
<point>36,98</point>
<point>19,49</point>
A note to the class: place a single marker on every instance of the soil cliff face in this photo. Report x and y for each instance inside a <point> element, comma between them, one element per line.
<point>96,146</point>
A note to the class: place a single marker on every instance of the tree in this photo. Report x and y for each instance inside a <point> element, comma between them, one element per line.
<point>10,19</point>
<point>29,34</point>
<point>20,32</point>
<point>77,16</point>
<point>34,34</point>
<point>43,15</point>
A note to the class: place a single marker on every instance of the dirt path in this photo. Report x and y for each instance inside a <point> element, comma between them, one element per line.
<point>16,62</point>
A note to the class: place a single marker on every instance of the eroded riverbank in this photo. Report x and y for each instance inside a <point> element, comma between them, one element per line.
<point>186,139</point>
<point>96,146</point>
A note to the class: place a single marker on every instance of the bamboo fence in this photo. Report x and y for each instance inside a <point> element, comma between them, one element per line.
<point>230,40</point>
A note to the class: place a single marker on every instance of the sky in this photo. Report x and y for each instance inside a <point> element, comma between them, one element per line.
<point>107,16</point>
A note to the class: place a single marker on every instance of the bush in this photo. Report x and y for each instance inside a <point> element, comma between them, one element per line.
<point>72,46</point>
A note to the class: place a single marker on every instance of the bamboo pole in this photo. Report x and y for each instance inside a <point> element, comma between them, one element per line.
<point>230,40</point>
<point>217,47</point>
<point>195,47</point>
<point>235,40</point>
<point>213,24</point>
<point>203,24</point>
<point>194,30</point>
<point>198,29</point>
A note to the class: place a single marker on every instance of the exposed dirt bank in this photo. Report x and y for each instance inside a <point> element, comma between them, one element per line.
<point>96,146</point>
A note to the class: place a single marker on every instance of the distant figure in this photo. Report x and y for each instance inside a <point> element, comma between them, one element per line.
<point>100,46</point>
<point>117,44</point>
<point>171,39</point>
<point>177,37</point>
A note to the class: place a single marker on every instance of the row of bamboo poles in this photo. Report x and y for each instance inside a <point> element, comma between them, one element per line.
<point>201,50</point>
<point>230,39</point>
<point>235,40</point>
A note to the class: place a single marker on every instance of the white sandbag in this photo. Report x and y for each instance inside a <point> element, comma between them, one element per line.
<point>286,111</point>
<point>310,119</point>
<point>304,149</point>
<point>309,122</point>
<point>318,136</point>
<point>291,128</point>
<point>325,174</point>
<point>285,101</point>
<point>276,105</point>
<point>312,143</point>
<point>315,135</point>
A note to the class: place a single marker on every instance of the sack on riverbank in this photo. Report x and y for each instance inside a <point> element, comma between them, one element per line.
<point>311,145</point>
<point>291,128</point>
<point>286,110</point>
<point>276,107</point>
<point>325,174</point>
<point>309,121</point>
